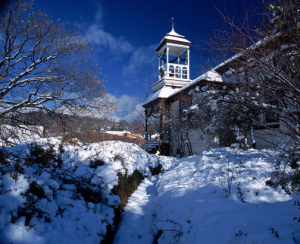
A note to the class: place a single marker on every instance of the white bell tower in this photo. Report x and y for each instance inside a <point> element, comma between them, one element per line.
<point>173,61</point>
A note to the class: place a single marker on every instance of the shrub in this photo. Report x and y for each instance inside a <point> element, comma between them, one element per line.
<point>127,184</point>
<point>289,180</point>
<point>90,195</point>
<point>118,158</point>
<point>3,156</point>
<point>46,158</point>
<point>155,170</point>
<point>36,189</point>
<point>30,209</point>
<point>96,163</point>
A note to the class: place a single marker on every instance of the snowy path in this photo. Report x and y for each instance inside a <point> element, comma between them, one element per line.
<point>136,226</point>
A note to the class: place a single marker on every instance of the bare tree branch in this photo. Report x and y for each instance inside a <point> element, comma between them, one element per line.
<point>44,65</point>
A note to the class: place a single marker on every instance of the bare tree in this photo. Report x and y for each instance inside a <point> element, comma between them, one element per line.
<point>137,127</point>
<point>264,68</point>
<point>211,113</point>
<point>44,66</point>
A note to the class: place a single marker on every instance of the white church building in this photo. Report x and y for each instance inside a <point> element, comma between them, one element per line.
<point>173,80</point>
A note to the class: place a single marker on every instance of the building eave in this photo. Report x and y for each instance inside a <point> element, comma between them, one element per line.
<point>185,43</point>
<point>157,96</point>
<point>210,76</point>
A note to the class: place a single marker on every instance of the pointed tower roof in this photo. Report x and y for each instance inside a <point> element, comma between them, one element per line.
<point>173,37</point>
<point>175,34</point>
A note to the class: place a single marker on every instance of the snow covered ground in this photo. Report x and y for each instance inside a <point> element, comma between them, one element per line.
<point>136,225</point>
<point>219,196</point>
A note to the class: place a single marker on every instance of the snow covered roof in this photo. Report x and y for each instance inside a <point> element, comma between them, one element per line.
<point>228,61</point>
<point>210,75</point>
<point>252,47</point>
<point>173,37</point>
<point>174,33</point>
<point>164,92</point>
<point>167,91</point>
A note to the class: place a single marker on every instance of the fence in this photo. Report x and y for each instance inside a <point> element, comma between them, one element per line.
<point>95,136</point>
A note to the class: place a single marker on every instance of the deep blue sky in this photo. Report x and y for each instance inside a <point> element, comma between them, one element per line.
<point>124,34</point>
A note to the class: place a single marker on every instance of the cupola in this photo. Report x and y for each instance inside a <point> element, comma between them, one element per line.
<point>173,61</point>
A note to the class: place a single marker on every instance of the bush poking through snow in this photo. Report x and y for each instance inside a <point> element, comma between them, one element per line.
<point>173,229</point>
<point>156,170</point>
<point>126,186</point>
<point>3,157</point>
<point>240,194</point>
<point>31,210</point>
<point>44,157</point>
<point>286,173</point>
<point>91,195</point>
<point>36,190</point>
<point>96,163</point>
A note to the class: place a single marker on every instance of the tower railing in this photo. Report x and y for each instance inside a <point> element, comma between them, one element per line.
<point>177,71</point>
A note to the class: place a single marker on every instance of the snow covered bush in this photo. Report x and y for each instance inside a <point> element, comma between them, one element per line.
<point>127,184</point>
<point>208,111</point>
<point>287,174</point>
<point>52,192</point>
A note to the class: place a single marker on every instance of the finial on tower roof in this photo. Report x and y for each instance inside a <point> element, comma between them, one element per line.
<point>172,23</point>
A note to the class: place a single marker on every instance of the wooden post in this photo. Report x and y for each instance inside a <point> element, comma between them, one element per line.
<point>188,64</point>
<point>146,127</point>
<point>168,61</point>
